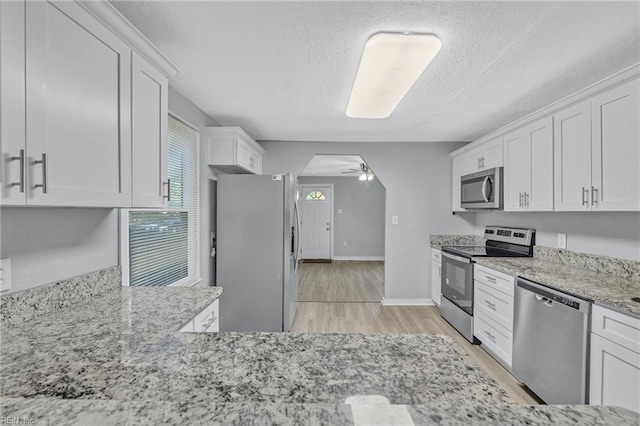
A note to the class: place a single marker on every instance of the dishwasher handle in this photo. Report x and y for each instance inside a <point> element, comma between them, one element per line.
<point>551,297</point>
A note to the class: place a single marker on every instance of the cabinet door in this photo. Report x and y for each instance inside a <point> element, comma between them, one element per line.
<point>572,158</point>
<point>457,167</point>
<point>12,104</point>
<point>614,377</point>
<point>540,195</point>
<point>616,149</point>
<point>491,155</point>
<point>78,96</point>
<point>149,133</point>
<point>517,169</point>
<point>436,270</point>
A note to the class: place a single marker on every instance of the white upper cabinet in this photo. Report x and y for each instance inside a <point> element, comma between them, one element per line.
<point>232,150</point>
<point>458,170</point>
<point>572,157</point>
<point>149,134</point>
<point>615,149</point>
<point>528,169</point>
<point>597,152</point>
<point>12,119</point>
<point>78,95</point>
<point>486,156</point>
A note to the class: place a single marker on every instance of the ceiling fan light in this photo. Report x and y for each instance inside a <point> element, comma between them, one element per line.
<point>370,176</point>
<point>391,63</point>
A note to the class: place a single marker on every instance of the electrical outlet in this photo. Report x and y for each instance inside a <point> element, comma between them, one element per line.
<point>5,275</point>
<point>344,243</point>
<point>394,220</point>
<point>562,241</point>
<point>339,211</point>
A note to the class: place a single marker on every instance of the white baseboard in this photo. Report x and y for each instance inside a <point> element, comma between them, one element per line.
<point>408,302</point>
<point>360,258</point>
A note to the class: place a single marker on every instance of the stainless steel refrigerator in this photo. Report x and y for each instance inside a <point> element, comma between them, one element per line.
<point>257,246</point>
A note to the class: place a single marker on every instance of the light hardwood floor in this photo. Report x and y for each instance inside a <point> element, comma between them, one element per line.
<point>341,281</point>
<point>368,317</point>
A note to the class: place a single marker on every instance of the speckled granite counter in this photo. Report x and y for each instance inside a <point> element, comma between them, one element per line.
<point>120,359</point>
<point>92,412</point>
<point>614,291</point>
<point>437,241</point>
<point>126,346</point>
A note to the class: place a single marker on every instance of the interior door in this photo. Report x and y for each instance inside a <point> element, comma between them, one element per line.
<point>315,232</point>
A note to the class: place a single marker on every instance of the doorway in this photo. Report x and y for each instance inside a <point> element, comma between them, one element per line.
<point>342,205</point>
<point>316,222</point>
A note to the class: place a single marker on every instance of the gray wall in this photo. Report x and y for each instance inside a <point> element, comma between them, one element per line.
<point>615,234</point>
<point>51,244</point>
<point>187,111</point>
<point>417,177</point>
<point>361,223</point>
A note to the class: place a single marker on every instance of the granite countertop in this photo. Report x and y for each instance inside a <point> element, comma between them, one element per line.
<point>122,359</point>
<point>610,290</point>
<point>437,241</point>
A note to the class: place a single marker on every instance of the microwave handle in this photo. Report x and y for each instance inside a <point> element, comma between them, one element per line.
<point>484,189</point>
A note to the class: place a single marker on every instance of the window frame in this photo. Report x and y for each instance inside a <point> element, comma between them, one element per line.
<point>190,280</point>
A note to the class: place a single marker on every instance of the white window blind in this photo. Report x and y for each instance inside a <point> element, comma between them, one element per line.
<point>163,246</point>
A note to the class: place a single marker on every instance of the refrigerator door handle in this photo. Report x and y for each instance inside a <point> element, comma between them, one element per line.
<point>296,236</point>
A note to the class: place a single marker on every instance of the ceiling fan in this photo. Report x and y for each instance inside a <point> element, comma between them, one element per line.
<point>364,173</point>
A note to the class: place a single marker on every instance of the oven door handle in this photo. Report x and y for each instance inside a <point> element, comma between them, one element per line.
<point>458,258</point>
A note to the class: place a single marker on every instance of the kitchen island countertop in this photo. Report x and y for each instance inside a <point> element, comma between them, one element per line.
<point>122,357</point>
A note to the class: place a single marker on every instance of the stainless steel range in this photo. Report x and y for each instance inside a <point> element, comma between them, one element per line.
<point>457,271</point>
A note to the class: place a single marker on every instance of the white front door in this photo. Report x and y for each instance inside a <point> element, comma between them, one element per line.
<point>315,226</point>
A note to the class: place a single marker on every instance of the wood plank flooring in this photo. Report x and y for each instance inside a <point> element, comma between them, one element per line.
<point>343,316</point>
<point>341,281</point>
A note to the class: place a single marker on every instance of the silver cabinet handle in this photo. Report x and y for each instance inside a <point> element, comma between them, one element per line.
<point>526,199</point>
<point>211,321</point>
<point>520,199</point>
<point>585,191</point>
<point>490,279</point>
<point>168,196</point>
<point>251,162</point>
<point>42,185</point>
<point>20,158</point>
<point>594,195</point>
<point>491,305</point>
<point>491,336</point>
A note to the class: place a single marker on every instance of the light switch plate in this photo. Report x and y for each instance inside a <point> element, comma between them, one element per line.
<point>562,241</point>
<point>339,211</point>
<point>5,275</point>
<point>394,220</point>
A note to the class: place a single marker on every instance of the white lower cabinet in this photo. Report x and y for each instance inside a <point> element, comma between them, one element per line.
<point>436,275</point>
<point>493,312</point>
<point>207,321</point>
<point>614,377</point>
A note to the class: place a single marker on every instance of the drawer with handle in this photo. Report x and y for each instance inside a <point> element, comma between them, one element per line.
<point>206,321</point>
<point>494,337</point>
<point>494,279</point>
<point>496,305</point>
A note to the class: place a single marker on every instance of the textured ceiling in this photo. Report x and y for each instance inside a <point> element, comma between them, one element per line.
<point>284,70</point>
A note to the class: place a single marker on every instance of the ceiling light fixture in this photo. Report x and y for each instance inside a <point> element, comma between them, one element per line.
<point>391,63</point>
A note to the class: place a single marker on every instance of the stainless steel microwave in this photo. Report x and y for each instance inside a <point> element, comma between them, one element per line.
<point>482,190</point>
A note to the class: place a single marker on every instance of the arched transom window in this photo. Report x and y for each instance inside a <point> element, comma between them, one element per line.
<point>315,196</point>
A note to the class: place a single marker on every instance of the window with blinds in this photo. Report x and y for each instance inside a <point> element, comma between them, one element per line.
<point>163,245</point>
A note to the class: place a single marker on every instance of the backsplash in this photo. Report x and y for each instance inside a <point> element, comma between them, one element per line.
<point>603,264</point>
<point>456,240</point>
<point>24,305</point>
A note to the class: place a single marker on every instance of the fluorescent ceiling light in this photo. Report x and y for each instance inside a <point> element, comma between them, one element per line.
<point>391,63</point>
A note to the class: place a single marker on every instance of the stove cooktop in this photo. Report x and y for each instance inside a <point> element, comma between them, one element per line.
<point>481,251</point>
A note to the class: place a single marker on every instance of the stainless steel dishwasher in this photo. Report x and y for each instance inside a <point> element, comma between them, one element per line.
<point>550,343</point>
